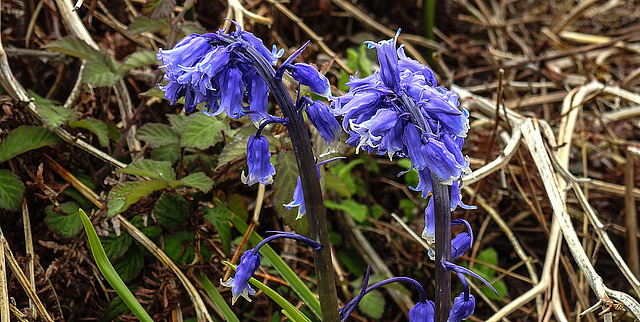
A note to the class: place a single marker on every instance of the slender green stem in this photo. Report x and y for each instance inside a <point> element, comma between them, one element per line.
<point>310,186</point>
<point>442,210</point>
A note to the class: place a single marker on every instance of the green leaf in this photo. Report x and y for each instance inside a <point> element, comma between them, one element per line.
<point>201,131</point>
<point>169,153</point>
<point>189,27</point>
<point>197,180</point>
<point>297,285</point>
<point>233,150</point>
<point>178,246</point>
<point>358,212</point>
<point>67,225</point>
<point>129,265</point>
<point>177,121</point>
<point>11,190</point>
<point>219,217</point>
<point>159,8</point>
<point>115,310</point>
<point>500,286</point>
<point>138,59</point>
<point>143,189</point>
<point>109,273</point>
<point>99,73</point>
<point>97,127</point>
<point>25,138</point>
<point>284,183</point>
<point>146,24</point>
<point>152,169</point>
<point>488,255</point>
<point>53,114</point>
<point>115,246</point>
<point>373,304</point>
<point>335,183</point>
<point>171,210</point>
<point>238,206</point>
<point>116,198</point>
<point>74,46</point>
<point>158,134</point>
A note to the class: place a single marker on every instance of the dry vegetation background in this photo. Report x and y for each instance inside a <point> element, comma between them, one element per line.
<point>555,180</point>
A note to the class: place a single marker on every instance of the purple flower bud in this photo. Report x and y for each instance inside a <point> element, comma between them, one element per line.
<point>239,284</point>
<point>308,75</point>
<point>260,169</point>
<point>327,125</point>
<point>423,312</point>
<point>463,241</point>
<point>388,59</point>
<point>461,308</point>
<point>271,55</point>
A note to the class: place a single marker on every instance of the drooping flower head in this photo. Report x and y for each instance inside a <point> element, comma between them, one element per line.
<point>260,169</point>
<point>213,68</point>
<point>400,112</point>
<point>250,261</point>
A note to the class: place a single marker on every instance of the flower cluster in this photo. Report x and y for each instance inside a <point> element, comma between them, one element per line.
<point>424,310</point>
<point>250,261</point>
<point>399,111</point>
<point>231,72</point>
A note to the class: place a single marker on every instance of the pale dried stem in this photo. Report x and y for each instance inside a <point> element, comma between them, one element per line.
<point>22,279</point>
<point>4,288</point>
<point>28,243</point>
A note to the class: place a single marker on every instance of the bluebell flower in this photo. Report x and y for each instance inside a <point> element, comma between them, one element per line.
<point>308,75</point>
<point>214,69</point>
<point>249,263</point>
<point>429,216</point>
<point>298,194</point>
<point>399,111</point>
<point>298,200</point>
<point>464,304</point>
<point>459,244</point>
<point>327,125</point>
<point>258,155</point>
<point>423,311</point>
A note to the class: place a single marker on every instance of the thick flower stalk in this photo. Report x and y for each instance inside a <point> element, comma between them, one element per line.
<point>400,111</point>
<point>221,71</point>
<point>250,261</point>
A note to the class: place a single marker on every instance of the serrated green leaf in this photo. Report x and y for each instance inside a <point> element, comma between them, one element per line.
<point>129,265</point>
<point>201,131</point>
<point>74,46</point>
<point>146,24</point>
<point>373,304</point>
<point>358,212</point>
<point>11,190</point>
<point>284,183</point>
<point>116,198</point>
<point>67,225</point>
<point>159,8</point>
<point>53,114</point>
<point>232,151</point>
<point>143,189</point>
<point>99,73</point>
<point>219,217</point>
<point>25,138</point>
<point>171,211</point>
<point>169,153</point>
<point>179,248</point>
<point>198,180</point>
<point>138,59</point>
<point>152,169</point>
<point>95,126</point>
<point>158,134</point>
<point>115,246</point>
<point>177,121</point>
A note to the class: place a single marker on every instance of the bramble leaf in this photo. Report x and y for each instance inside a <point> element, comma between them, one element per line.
<point>283,185</point>
<point>219,217</point>
<point>11,190</point>
<point>53,114</point>
<point>197,180</point>
<point>25,138</point>
<point>75,47</point>
<point>67,225</point>
<point>100,72</point>
<point>171,211</point>
<point>95,126</point>
<point>152,169</point>
<point>138,59</point>
<point>158,134</point>
<point>201,131</point>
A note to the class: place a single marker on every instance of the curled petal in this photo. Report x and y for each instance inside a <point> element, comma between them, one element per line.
<point>298,200</point>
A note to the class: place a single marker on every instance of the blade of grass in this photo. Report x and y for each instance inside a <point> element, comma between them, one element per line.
<point>217,299</point>
<point>283,269</point>
<point>288,309</point>
<point>109,272</point>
